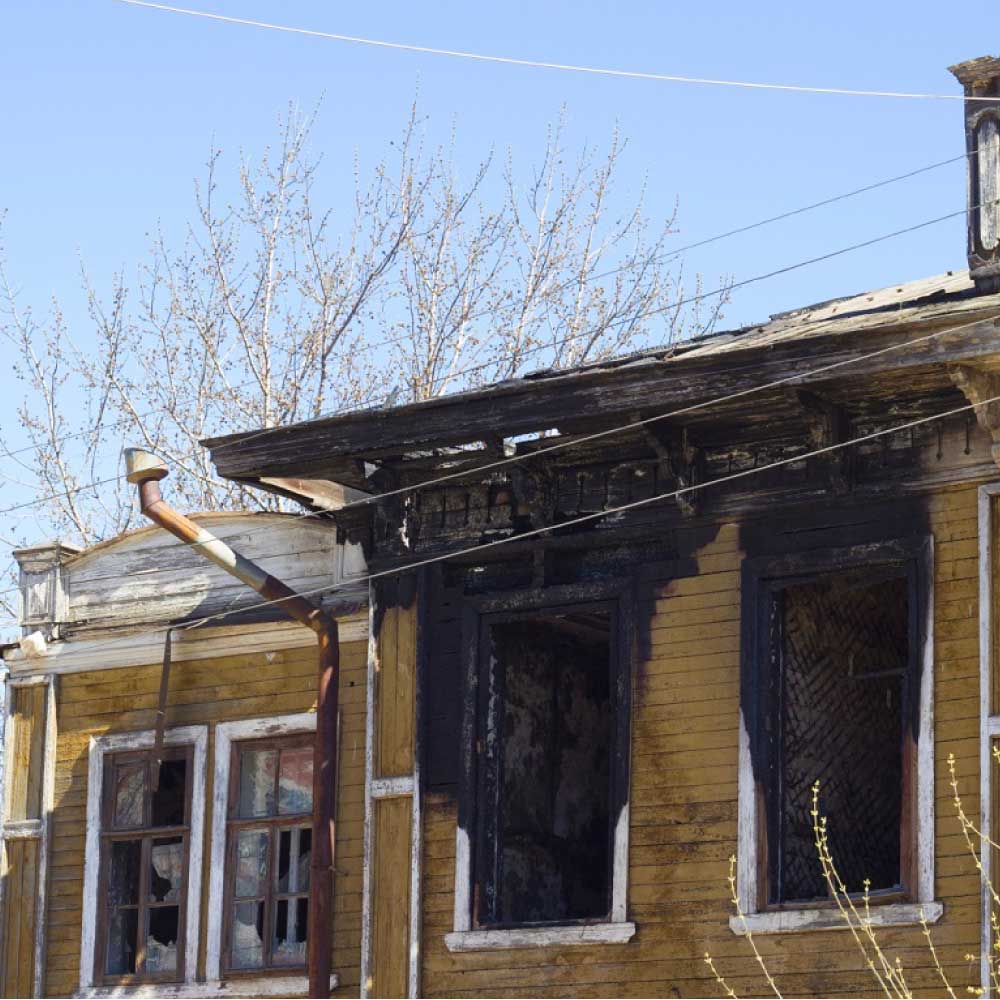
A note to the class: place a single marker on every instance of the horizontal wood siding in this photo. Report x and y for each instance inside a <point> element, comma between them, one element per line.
<point>202,692</point>
<point>20,901</point>
<point>391,820</point>
<point>684,812</point>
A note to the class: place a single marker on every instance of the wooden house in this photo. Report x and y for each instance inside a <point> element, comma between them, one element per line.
<point>620,619</point>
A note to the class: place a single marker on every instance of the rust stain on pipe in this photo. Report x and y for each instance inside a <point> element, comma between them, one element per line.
<point>146,471</point>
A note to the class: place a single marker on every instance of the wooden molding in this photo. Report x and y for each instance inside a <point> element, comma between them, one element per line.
<point>978,384</point>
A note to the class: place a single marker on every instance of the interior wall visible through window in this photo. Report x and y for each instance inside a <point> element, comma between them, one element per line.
<point>546,738</point>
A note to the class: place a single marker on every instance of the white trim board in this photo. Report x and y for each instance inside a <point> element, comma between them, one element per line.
<point>616,932</point>
<point>226,734</point>
<point>989,726</point>
<point>258,986</point>
<point>197,737</point>
<point>829,918</point>
<point>146,648</point>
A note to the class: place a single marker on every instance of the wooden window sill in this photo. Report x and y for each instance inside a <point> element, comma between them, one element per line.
<point>540,937</point>
<point>255,986</point>
<point>830,919</point>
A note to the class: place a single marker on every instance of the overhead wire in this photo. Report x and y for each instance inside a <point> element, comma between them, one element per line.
<point>572,522</point>
<point>610,272</point>
<point>543,64</point>
<point>244,439</point>
<point>630,426</point>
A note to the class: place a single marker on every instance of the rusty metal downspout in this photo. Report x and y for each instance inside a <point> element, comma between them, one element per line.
<point>146,471</point>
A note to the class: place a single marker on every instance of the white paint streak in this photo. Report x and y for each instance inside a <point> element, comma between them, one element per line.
<point>830,919</point>
<point>540,937</point>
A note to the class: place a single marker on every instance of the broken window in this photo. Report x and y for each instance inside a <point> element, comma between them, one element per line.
<point>145,829</point>
<point>833,696</point>
<point>546,744</point>
<point>270,841</point>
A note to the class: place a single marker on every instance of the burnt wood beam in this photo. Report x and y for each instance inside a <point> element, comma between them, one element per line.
<point>828,425</point>
<point>677,458</point>
<point>978,385</point>
<point>524,405</point>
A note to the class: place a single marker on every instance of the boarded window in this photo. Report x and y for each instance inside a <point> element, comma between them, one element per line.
<point>270,850</point>
<point>840,650</point>
<point>145,829</point>
<point>544,798</point>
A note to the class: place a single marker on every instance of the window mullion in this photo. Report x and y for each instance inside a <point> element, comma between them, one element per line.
<point>142,914</point>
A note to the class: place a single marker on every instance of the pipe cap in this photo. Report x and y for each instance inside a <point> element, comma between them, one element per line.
<point>143,465</point>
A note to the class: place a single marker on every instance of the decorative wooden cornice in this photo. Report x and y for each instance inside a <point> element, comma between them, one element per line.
<point>979,385</point>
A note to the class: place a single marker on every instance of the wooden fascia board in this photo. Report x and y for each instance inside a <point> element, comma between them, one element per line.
<point>525,405</point>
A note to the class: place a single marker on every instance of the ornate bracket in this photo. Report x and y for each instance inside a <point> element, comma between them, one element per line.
<point>979,386</point>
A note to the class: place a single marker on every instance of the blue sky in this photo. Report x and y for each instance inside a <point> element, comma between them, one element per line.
<point>109,112</point>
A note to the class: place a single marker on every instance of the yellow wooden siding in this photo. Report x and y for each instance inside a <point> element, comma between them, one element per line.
<point>202,692</point>
<point>395,678</point>
<point>683,807</point>
<point>17,945</point>
<point>389,970</point>
<point>27,738</point>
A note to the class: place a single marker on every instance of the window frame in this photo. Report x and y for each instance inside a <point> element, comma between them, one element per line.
<point>761,578</point>
<point>92,978</point>
<point>145,833</point>
<point>477,614</point>
<point>273,824</point>
<point>285,981</point>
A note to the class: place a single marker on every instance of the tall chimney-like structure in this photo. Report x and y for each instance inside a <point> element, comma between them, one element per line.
<point>981,79</point>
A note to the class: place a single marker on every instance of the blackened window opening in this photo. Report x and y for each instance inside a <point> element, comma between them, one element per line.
<point>842,648</point>
<point>545,816</point>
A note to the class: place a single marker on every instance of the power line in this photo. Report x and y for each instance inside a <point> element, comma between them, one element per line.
<point>689,300</point>
<point>706,404</point>
<point>585,518</point>
<point>540,64</point>
<point>722,290</point>
<point>660,258</point>
<point>558,446</point>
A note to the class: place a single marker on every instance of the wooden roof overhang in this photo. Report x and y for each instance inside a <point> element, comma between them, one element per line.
<point>867,357</point>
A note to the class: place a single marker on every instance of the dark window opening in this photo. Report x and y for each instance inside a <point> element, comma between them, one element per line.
<point>546,738</point>
<point>841,646</point>
<point>270,851</point>
<point>144,846</point>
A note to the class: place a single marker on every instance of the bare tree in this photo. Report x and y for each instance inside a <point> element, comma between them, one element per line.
<point>275,309</point>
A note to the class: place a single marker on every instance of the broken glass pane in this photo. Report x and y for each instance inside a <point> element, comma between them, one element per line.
<point>161,941</point>
<point>295,781</point>
<point>121,942</point>
<point>168,799</point>
<point>123,881</point>
<point>292,874</point>
<point>291,925</point>
<point>248,936</point>
<point>257,773</point>
<point>251,862</point>
<point>130,786</point>
<point>166,876</point>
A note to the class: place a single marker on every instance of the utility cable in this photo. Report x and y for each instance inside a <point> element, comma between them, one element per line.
<point>608,432</point>
<point>661,258</point>
<point>581,519</point>
<point>539,64</point>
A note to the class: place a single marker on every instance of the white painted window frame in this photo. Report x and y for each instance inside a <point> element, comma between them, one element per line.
<point>197,738</point>
<point>826,918</point>
<point>226,734</point>
<point>989,725</point>
<point>618,929</point>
